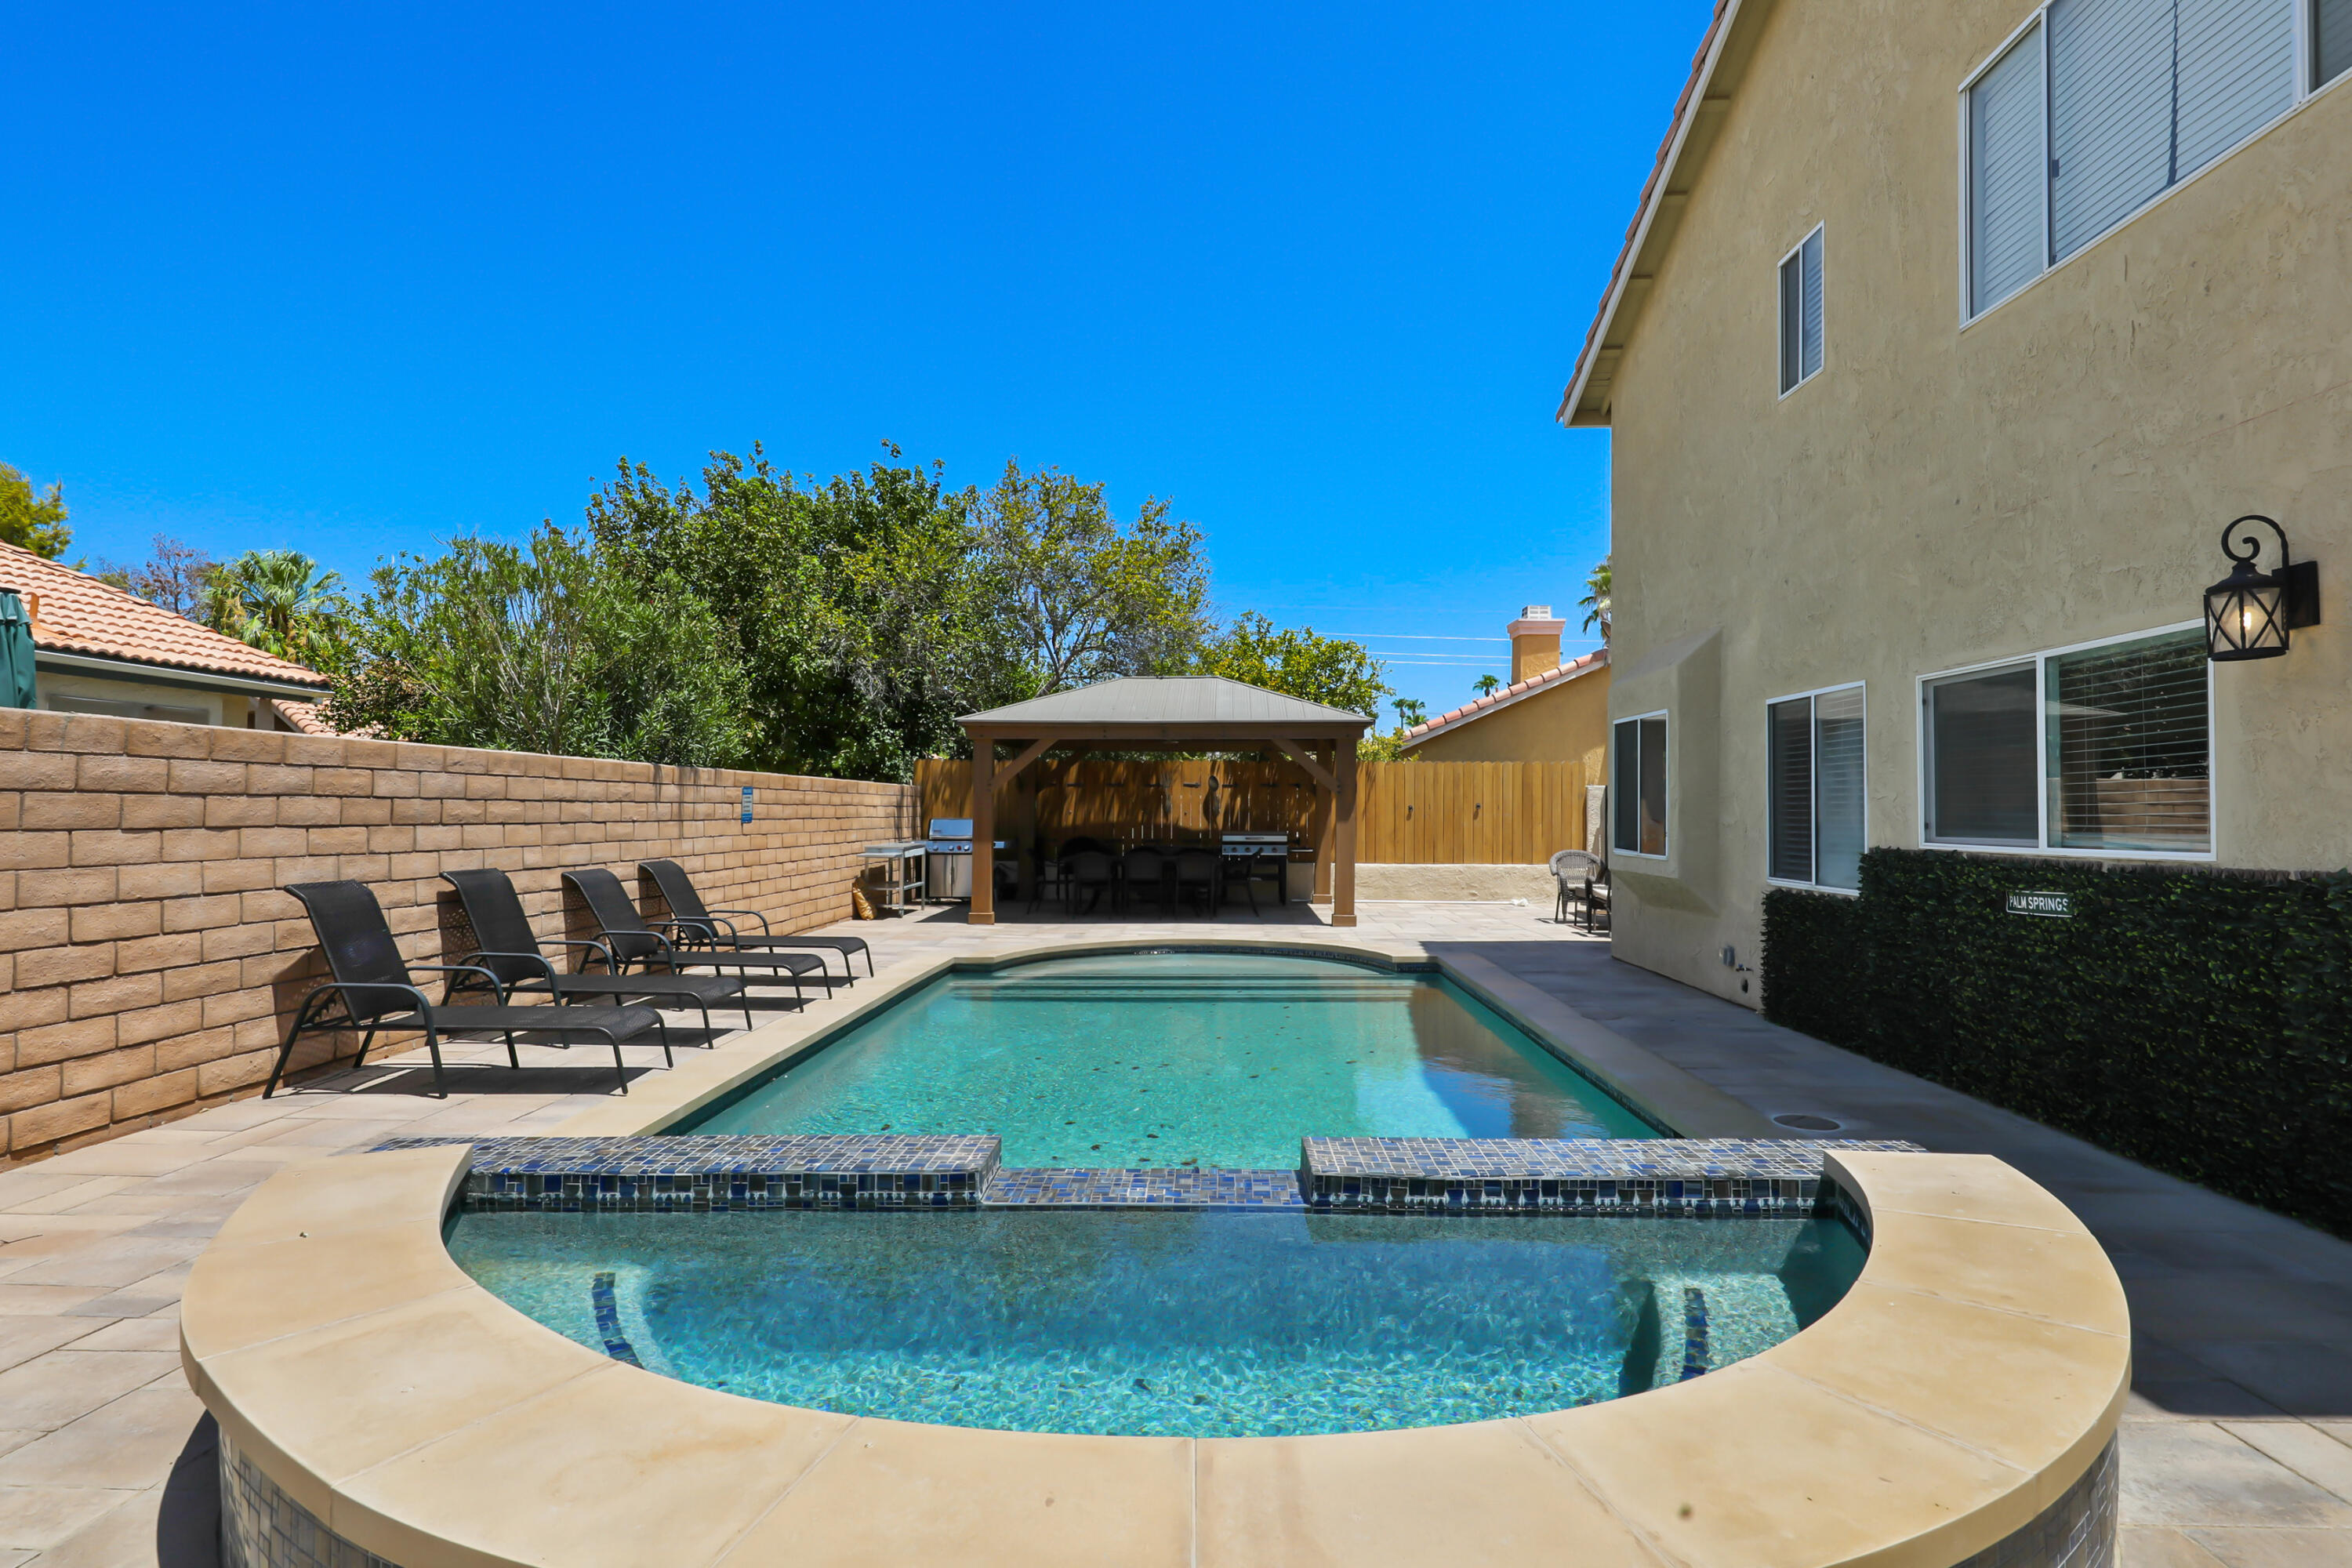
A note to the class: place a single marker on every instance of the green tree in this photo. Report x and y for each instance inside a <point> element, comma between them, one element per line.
<point>866,608</point>
<point>544,647</point>
<point>31,521</point>
<point>174,578</point>
<point>1409,711</point>
<point>1595,603</point>
<point>1297,662</point>
<point>1087,598</point>
<point>279,601</point>
<point>1487,685</point>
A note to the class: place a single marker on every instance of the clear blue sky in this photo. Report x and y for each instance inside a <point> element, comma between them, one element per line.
<point>356,279</point>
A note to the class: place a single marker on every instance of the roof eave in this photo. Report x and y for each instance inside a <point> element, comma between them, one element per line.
<point>113,667</point>
<point>1704,99</point>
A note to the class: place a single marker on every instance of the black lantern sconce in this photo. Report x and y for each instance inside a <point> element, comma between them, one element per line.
<point>2249,612</point>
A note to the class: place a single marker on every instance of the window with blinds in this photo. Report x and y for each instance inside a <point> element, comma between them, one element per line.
<point>1637,808</point>
<point>1816,808</point>
<point>1801,312</point>
<point>2097,749</point>
<point>2125,749</point>
<point>2103,105</point>
<point>2331,41</point>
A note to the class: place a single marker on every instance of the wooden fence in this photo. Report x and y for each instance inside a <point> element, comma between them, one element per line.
<point>1414,813</point>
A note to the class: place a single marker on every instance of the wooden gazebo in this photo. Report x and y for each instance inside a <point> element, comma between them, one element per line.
<point>1188,714</point>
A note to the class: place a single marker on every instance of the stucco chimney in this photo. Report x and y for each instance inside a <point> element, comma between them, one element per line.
<point>1535,642</point>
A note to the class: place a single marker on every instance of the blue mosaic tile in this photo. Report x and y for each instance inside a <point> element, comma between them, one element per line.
<point>1676,1177</point>
<point>1143,1189</point>
<point>713,1173</point>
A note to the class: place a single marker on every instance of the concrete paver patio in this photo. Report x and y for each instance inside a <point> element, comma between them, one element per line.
<point>2238,1451</point>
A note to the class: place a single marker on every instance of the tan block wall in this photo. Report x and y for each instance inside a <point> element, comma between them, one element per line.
<point>151,964</point>
<point>1565,723</point>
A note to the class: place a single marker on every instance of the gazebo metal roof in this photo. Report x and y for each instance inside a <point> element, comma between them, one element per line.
<point>1192,713</point>
<point>1150,702</point>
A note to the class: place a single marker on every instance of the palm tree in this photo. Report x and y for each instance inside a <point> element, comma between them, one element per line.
<point>1595,603</point>
<point>279,601</point>
<point>1410,710</point>
<point>1485,685</point>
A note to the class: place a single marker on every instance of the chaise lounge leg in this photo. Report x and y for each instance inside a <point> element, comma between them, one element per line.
<point>433,1047</point>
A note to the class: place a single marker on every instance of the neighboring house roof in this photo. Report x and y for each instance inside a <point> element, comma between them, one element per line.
<point>1181,699</point>
<point>1722,58</point>
<point>81,616</point>
<point>302,716</point>
<point>1519,693</point>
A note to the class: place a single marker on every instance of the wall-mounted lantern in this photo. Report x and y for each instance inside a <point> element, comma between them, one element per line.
<point>2249,612</point>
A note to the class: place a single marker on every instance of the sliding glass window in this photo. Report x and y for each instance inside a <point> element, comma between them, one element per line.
<point>2098,107</point>
<point>1637,802</point>
<point>2103,748</point>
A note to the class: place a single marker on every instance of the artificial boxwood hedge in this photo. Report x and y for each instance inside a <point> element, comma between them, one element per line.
<point>2200,1021</point>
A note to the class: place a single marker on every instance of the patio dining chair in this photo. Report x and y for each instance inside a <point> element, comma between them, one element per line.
<point>1200,871</point>
<point>377,991</point>
<point>1141,872</point>
<point>1094,873</point>
<point>632,940</point>
<point>720,928</point>
<point>510,951</point>
<point>1571,870</point>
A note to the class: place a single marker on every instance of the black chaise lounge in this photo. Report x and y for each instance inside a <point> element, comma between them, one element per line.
<point>706,927</point>
<point>631,941</point>
<point>510,951</point>
<point>373,984</point>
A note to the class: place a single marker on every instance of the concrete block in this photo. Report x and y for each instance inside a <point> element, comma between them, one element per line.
<point>122,773</point>
<point>45,1124</point>
<point>170,881</point>
<point>162,811</point>
<point>115,993</point>
<point>41,809</point>
<point>87,1075</point>
<point>207,778</point>
<point>61,1042</point>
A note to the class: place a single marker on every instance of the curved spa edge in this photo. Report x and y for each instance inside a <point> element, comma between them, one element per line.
<point>1974,1374</point>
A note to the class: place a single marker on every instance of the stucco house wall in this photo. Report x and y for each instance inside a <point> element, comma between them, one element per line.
<point>1940,496</point>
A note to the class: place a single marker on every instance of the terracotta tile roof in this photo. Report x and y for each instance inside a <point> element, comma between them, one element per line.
<point>81,615</point>
<point>1693,88</point>
<point>305,717</point>
<point>1505,695</point>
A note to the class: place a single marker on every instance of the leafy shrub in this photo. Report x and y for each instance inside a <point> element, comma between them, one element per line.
<point>2199,1022</point>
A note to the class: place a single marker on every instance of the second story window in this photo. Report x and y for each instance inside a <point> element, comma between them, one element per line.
<point>2098,107</point>
<point>1801,313</point>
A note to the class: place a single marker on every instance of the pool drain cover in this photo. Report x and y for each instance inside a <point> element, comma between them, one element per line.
<point>1804,1124</point>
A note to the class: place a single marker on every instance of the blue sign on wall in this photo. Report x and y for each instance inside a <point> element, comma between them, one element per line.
<point>746,802</point>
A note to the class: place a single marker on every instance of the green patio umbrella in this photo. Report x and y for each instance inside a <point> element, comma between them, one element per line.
<point>15,652</point>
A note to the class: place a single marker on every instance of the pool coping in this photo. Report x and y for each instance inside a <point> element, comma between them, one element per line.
<point>1647,1084</point>
<point>1969,1383</point>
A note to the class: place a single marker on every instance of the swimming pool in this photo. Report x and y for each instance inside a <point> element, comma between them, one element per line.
<point>1173,1060</point>
<point>1196,1324</point>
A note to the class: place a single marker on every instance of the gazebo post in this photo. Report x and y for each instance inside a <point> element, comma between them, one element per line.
<point>1327,818</point>
<point>1343,873</point>
<point>983,831</point>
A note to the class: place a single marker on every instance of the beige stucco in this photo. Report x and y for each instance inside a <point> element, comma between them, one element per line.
<point>1939,496</point>
<point>1564,722</point>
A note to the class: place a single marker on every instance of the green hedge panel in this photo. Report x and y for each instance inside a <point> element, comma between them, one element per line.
<point>2200,1021</point>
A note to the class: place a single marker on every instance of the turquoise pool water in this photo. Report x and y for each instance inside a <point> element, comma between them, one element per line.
<point>1178,1058</point>
<point>1196,1324</point>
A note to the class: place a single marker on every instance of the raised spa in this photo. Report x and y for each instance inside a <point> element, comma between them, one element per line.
<point>1200,1324</point>
<point>1170,1059</point>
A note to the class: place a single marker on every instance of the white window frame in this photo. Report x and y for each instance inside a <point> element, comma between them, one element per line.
<point>1666,784</point>
<point>1804,377</point>
<point>1772,702</point>
<point>2305,64</point>
<point>2040,663</point>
